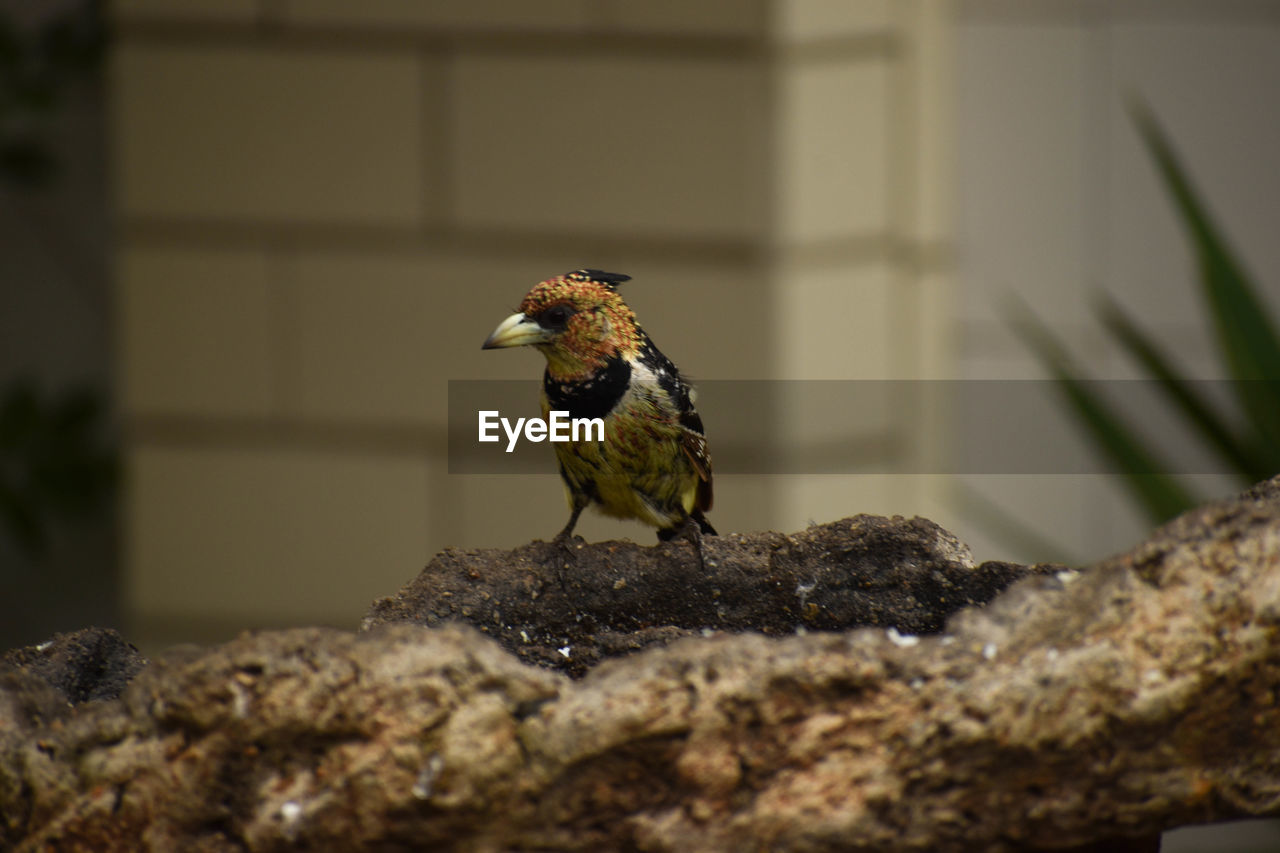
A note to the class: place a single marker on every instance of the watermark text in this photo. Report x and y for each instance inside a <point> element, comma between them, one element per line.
<point>557,427</point>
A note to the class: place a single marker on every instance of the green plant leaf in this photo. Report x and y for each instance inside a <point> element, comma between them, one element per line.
<point>1160,495</point>
<point>1251,462</point>
<point>1248,341</point>
<point>56,461</point>
<point>19,413</point>
<point>27,163</point>
<point>21,522</point>
<point>74,43</point>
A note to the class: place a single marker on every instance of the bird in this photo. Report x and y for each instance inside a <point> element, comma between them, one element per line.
<point>653,464</point>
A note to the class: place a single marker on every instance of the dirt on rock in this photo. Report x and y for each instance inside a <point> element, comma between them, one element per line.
<point>84,665</point>
<point>569,607</point>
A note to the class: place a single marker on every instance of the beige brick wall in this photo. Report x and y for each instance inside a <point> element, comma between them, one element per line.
<point>633,147</point>
<point>832,177</point>
<point>197,333</point>
<point>518,16</point>
<point>248,133</point>
<point>274,534</point>
<point>325,206</point>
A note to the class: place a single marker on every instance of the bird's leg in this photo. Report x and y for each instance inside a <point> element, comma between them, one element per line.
<point>562,538</point>
<point>691,531</point>
<point>564,541</point>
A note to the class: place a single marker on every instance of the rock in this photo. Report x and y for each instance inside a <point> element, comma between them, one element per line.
<point>93,663</point>
<point>1077,709</point>
<point>570,608</point>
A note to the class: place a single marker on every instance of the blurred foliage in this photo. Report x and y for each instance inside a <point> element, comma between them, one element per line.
<point>36,68</point>
<point>55,462</point>
<point>1246,441</point>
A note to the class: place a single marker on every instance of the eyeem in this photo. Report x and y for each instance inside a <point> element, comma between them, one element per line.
<point>559,427</point>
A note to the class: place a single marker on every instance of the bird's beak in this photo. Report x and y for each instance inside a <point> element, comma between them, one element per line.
<point>516,331</point>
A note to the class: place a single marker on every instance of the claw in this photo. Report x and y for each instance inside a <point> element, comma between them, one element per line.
<point>691,531</point>
<point>564,541</point>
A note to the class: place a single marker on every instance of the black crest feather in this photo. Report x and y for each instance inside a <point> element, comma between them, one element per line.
<point>612,279</point>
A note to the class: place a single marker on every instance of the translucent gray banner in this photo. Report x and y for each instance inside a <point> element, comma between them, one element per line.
<point>875,426</point>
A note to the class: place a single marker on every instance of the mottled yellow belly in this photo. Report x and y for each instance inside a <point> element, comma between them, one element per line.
<point>639,471</point>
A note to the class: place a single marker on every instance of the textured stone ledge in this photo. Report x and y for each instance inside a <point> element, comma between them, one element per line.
<point>1076,708</point>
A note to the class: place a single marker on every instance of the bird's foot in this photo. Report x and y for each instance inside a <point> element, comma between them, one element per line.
<point>691,531</point>
<point>565,547</point>
<point>567,542</point>
<point>564,539</point>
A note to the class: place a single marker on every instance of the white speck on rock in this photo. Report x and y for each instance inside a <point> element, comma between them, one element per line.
<point>427,776</point>
<point>240,701</point>
<point>564,650</point>
<point>989,651</point>
<point>901,640</point>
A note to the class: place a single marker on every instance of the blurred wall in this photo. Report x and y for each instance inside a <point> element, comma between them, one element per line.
<point>1059,202</point>
<point>325,206</point>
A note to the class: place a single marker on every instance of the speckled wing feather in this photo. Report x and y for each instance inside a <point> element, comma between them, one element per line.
<point>694,444</point>
<point>693,439</point>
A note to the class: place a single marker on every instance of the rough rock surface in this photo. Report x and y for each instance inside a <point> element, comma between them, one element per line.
<point>93,663</point>
<point>569,608</point>
<point>1137,695</point>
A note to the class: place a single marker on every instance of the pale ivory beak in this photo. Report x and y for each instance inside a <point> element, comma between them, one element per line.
<point>516,331</point>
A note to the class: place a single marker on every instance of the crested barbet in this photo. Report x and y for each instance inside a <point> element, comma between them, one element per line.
<point>653,464</point>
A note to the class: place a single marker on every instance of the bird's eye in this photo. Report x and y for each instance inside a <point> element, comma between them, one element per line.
<point>556,317</point>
